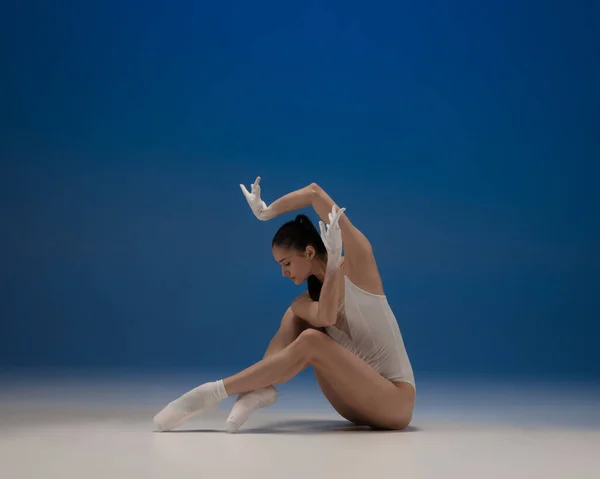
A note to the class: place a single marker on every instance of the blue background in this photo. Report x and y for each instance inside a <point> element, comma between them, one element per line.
<point>461,137</point>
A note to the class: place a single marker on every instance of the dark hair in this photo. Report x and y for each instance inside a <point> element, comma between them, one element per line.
<point>297,234</point>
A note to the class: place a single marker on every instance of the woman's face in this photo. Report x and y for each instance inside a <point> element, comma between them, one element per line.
<point>296,265</point>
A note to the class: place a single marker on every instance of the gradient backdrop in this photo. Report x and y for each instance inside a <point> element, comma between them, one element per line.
<point>461,137</point>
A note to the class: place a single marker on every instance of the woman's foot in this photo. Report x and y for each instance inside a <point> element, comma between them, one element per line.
<point>201,399</point>
<point>247,403</point>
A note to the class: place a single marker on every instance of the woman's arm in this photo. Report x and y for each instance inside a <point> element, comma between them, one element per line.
<point>357,248</point>
<point>356,244</point>
<point>296,200</point>
<point>331,293</point>
<point>324,312</point>
<point>307,309</point>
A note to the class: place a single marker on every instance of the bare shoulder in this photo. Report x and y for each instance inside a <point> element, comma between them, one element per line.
<point>365,274</point>
<point>360,264</point>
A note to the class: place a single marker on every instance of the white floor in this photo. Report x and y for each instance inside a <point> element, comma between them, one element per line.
<point>103,429</point>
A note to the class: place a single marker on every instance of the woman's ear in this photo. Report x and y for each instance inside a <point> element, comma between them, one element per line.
<point>310,252</point>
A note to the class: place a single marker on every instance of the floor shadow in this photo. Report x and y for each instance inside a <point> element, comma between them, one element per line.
<point>183,431</point>
<point>318,426</point>
<point>306,426</point>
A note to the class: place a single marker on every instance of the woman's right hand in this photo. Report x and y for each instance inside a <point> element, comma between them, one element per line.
<point>331,235</point>
<point>257,205</point>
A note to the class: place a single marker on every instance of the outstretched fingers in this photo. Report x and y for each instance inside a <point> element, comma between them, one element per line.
<point>245,191</point>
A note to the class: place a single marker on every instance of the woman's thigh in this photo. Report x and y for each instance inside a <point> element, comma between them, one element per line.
<point>358,392</point>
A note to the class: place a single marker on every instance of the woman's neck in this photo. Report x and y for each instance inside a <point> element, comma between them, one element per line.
<point>319,269</point>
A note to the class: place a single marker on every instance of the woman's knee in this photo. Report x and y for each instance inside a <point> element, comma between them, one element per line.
<point>292,322</point>
<point>309,343</point>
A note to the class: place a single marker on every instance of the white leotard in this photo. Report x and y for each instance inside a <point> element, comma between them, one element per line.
<point>369,329</point>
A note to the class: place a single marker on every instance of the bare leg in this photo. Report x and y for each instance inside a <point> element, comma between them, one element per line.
<point>290,328</point>
<point>247,402</point>
<point>368,397</point>
<point>361,394</point>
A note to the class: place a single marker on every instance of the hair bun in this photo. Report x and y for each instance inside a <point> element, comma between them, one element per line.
<point>305,223</point>
<point>302,219</point>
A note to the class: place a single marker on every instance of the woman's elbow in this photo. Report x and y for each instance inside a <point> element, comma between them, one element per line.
<point>314,189</point>
<point>326,320</point>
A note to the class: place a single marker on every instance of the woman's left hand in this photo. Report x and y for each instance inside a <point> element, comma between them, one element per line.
<point>331,235</point>
<point>258,206</point>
